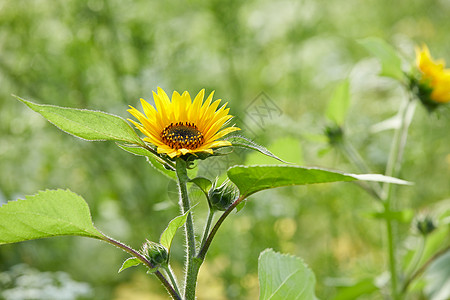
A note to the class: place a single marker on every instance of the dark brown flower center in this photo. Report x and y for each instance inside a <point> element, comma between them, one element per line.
<point>182,135</point>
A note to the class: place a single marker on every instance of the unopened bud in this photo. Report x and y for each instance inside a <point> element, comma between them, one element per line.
<point>335,134</point>
<point>220,198</point>
<point>425,225</point>
<point>155,253</point>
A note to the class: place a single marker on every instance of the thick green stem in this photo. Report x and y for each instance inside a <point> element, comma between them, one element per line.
<point>198,260</point>
<point>191,274</point>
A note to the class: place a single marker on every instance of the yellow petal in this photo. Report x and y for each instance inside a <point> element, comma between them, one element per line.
<point>224,132</point>
<point>194,112</point>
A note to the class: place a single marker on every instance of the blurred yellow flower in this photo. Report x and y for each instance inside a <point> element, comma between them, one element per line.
<point>434,75</point>
<point>179,125</point>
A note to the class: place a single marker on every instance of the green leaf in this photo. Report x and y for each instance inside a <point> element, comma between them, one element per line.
<point>251,179</point>
<point>203,183</point>
<point>390,61</point>
<point>140,151</point>
<point>362,287</point>
<point>87,124</point>
<point>242,142</point>
<point>130,262</point>
<point>284,277</point>
<point>339,103</point>
<point>403,216</point>
<point>437,277</point>
<point>46,214</point>
<point>169,232</point>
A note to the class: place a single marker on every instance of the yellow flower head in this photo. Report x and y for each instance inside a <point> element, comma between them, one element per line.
<point>179,125</point>
<point>433,75</point>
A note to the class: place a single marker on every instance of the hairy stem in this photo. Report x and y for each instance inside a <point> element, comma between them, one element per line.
<point>172,278</point>
<point>207,243</point>
<point>207,226</point>
<point>191,277</point>
<point>175,294</point>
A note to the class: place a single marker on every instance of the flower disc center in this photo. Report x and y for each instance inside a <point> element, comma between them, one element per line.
<point>182,135</point>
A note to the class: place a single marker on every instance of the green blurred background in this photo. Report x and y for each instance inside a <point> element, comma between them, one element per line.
<point>276,63</point>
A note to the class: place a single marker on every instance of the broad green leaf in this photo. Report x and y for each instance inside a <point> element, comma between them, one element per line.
<point>251,179</point>
<point>339,103</point>
<point>362,287</point>
<point>390,61</point>
<point>46,214</point>
<point>437,277</point>
<point>87,124</point>
<point>169,232</point>
<point>130,262</point>
<point>242,142</point>
<point>203,183</point>
<point>284,277</point>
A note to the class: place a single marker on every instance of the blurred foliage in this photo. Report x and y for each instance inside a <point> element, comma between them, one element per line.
<point>105,55</point>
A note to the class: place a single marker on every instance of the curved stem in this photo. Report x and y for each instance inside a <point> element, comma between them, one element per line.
<point>417,257</point>
<point>175,294</point>
<point>172,278</point>
<point>191,278</point>
<point>423,267</point>
<point>207,243</point>
<point>207,226</point>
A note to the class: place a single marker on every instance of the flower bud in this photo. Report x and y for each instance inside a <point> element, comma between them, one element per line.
<point>155,253</point>
<point>335,134</point>
<point>222,197</point>
<point>425,225</point>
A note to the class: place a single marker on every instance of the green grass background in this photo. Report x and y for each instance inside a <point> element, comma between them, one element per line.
<point>105,55</point>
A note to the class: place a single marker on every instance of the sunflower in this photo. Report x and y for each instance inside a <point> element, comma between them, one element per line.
<point>179,126</point>
<point>434,77</point>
